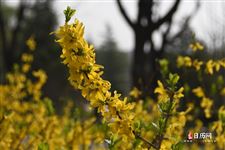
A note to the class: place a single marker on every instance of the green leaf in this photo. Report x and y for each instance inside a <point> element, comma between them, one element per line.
<point>164,66</point>
<point>155,126</point>
<point>162,124</point>
<point>49,106</point>
<point>164,107</point>
<point>178,146</point>
<point>43,146</point>
<point>68,12</point>
<point>137,126</point>
<point>174,78</point>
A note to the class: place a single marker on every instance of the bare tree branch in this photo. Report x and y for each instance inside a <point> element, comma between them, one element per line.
<point>164,36</point>
<point>168,16</point>
<point>185,24</point>
<point>124,14</point>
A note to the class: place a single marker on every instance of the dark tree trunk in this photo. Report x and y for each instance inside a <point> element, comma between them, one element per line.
<point>145,71</point>
<point>10,45</point>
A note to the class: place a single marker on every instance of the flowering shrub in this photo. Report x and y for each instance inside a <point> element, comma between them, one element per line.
<point>28,119</point>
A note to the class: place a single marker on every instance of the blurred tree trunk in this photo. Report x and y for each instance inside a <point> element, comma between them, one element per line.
<point>145,71</point>
<point>10,45</point>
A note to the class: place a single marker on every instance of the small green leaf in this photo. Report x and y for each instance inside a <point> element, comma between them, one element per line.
<point>49,106</point>
<point>174,78</point>
<point>155,126</point>
<point>162,124</point>
<point>43,146</point>
<point>137,126</point>
<point>178,146</point>
<point>68,12</point>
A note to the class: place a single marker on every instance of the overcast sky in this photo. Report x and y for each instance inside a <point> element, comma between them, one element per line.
<point>96,14</point>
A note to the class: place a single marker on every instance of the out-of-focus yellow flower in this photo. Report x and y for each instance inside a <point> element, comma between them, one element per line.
<point>207,103</point>
<point>178,94</point>
<point>196,46</point>
<point>222,92</point>
<point>27,58</point>
<point>220,140</point>
<point>187,61</point>
<point>197,64</point>
<point>221,113</point>
<point>199,92</point>
<point>184,61</point>
<point>135,92</point>
<point>216,64</point>
<point>26,67</point>
<point>31,43</point>
<point>209,67</point>
<point>163,95</point>
<point>166,145</point>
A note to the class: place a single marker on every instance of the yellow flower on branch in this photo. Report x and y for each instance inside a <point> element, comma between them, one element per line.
<point>199,92</point>
<point>163,95</point>
<point>196,46</point>
<point>209,67</point>
<point>207,103</point>
<point>31,43</point>
<point>135,92</point>
<point>197,64</point>
<point>184,61</point>
<point>85,75</point>
<point>27,58</point>
<point>179,94</point>
<point>222,92</point>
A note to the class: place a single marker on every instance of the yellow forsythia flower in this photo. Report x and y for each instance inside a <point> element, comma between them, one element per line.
<point>85,75</point>
<point>199,92</point>
<point>222,92</point>
<point>196,46</point>
<point>207,103</point>
<point>209,67</point>
<point>197,64</point>
<point>135,92</point>
<point>31,43</point>
<point>27,57</point>
<point>184,61</point>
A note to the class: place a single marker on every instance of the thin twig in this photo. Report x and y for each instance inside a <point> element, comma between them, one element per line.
<point>144,140</point>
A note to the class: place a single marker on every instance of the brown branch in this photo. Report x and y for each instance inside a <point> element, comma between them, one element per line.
<point>168,16</point>
<point>145,141</point>
<point>137,135</point>
<point>124,14</point>
<point>160,137</point>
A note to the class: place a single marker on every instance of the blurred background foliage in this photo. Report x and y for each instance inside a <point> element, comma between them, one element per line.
<point>37,18</point>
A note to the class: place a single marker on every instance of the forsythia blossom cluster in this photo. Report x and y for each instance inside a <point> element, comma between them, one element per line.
<point>206,103</point>
<point>85,75</point>
<point>210,66</point>
<point>28,121</point>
